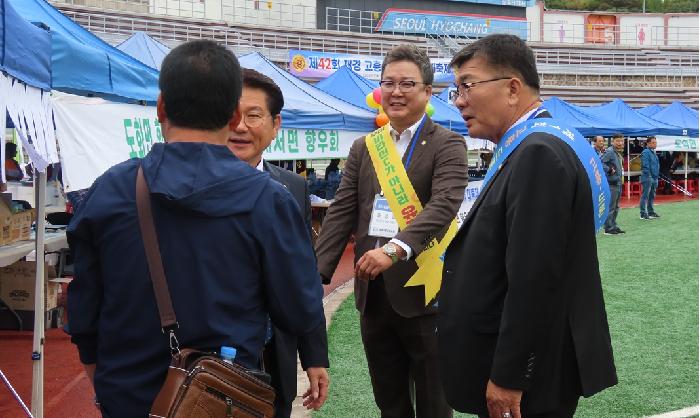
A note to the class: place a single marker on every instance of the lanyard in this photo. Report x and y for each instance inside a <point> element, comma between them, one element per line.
<point>414,139</point>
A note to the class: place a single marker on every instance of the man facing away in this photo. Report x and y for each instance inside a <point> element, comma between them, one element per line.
<point>612,166</point>
<point>260,107</point>
<point>398,329</point>
<point>522,325</point>
<point>223,229</point>
<point>649,180</point>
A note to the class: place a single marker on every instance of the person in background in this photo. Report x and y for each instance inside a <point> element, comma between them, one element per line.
<point>224,231</point>
<point>600,145</point>
<point>612,166</point>
<point>649,180</point>
<point>260,107</point>
<point>13,172</point>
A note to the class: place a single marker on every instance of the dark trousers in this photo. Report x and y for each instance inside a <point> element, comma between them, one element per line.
<point>284,394</point>
<point>614,208</point>
<point>565,410</point>
<point>400,351</point>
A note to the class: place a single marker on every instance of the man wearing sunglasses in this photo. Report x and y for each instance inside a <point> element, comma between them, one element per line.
<point>260,106</point>
<point>522,325</point>
<point>397,326</point>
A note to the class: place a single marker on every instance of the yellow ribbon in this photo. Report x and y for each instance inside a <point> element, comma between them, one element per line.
<point>405,206</point>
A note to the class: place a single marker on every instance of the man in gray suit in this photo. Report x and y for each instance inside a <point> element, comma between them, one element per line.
<point>260,106</point>
<point>398,329</point>
<point>612,165</point>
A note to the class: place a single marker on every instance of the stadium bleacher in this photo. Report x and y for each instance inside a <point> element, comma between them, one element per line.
<point>640,76</point>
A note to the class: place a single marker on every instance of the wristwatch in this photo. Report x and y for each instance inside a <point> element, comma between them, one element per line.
<point>390,250</point>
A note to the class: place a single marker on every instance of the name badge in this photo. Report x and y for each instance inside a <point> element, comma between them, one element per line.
<point>382,222</point>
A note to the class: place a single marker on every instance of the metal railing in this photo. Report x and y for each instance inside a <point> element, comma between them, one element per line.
<point>668,65</point>
<point>289,13</point>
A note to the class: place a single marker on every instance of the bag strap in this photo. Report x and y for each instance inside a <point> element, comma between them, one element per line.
<point>168,321</point>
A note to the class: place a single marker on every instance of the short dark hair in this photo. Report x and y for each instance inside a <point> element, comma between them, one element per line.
<point>200,85</point>
<point>408,52</point>
<point>618,135</point>
<point>257,80</point>
<point>505,53</point>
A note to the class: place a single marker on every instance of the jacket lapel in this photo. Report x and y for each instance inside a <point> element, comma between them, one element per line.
<point>272,171</point>
<point>481,197</point>
<point>421,144</point>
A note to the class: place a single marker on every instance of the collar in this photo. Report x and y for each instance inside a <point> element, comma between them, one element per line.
<point>411,129</point>
<point>261,166</point>
<point>527,114</point>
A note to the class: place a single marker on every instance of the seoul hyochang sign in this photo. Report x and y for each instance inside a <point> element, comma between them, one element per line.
<point>313,64</point>
<point>453,24</point>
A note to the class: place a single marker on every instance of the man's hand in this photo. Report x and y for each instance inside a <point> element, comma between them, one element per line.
<point>501,400</point>
<point>372,264</point>
<point>316,395</point>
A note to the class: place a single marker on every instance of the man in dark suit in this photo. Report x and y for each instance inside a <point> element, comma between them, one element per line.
<point>398,329</point>
<point>522,326</point>
<point>260,105</point>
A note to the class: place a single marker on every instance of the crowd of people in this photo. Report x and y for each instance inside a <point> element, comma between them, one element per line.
<point>518,328</point>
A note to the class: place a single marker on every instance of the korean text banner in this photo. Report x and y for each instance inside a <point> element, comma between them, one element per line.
<point>453,24</point>
<point>313,64</point>
<point>95,134</point>
<point>308,144</point>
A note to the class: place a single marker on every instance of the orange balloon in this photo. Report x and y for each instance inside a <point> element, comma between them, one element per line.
<point>381,119</point>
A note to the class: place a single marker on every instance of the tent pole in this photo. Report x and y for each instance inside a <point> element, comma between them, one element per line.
<point>629,186</point>
<point>685,181</point>
<point>39,314</point>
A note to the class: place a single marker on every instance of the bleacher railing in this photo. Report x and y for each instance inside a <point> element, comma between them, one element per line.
<point>363,21</point>
<point>289,13</point>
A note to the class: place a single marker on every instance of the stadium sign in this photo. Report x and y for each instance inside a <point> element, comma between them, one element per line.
<point>313,64</point>
<point>452,24</point>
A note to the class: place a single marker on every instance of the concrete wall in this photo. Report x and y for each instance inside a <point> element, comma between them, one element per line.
<point>640,30</point>
<point>563,27</point>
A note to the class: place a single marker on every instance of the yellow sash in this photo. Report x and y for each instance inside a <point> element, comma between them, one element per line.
<point>405,206</point>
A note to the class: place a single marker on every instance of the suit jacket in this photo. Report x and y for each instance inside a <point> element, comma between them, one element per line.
<point>312,347</point>
<point>612,166</point>
<point>521,299</point>
<point>438,172</point>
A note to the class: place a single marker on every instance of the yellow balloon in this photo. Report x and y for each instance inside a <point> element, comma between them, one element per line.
<point>369,99</point>
<point>430,109</point>
<point>381,109</point>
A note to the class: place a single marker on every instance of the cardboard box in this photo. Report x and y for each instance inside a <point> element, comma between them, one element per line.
<point>17,286</point>
<point>14,226</point>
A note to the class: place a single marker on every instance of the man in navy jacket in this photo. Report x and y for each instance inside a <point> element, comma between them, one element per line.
<point>612,166</point>
<point>224,231</point>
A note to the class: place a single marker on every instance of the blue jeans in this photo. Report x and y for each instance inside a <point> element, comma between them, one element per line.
<point>646,202</point>
<point>611,222</point>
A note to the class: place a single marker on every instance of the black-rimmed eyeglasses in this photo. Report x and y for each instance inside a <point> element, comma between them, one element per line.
<point>463,88</point>
<point>405,86</point>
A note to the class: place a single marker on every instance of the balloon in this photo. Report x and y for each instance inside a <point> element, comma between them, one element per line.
<point>377,94</point>
<point>381,119</point>
<point>369,99</point>
<point>381,109</point>
<point>430,109</point>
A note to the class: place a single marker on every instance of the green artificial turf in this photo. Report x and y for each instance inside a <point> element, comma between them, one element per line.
<point>650,279</point>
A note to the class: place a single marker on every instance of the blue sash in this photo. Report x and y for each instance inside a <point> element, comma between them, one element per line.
<point>600,192</point>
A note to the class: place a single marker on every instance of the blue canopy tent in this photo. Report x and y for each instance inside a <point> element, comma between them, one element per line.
<point>444,78</point>
<point>630,122</point>
<point>650,110</point>
<point>25,58</point>
<point>83,64</point>
<point>678,114</point>
<point>145,49</point>
<point>575,116</point>
<point>351,87</point>
<point>305,106</point>
<point>445,95</point>
<point>347,85</point>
